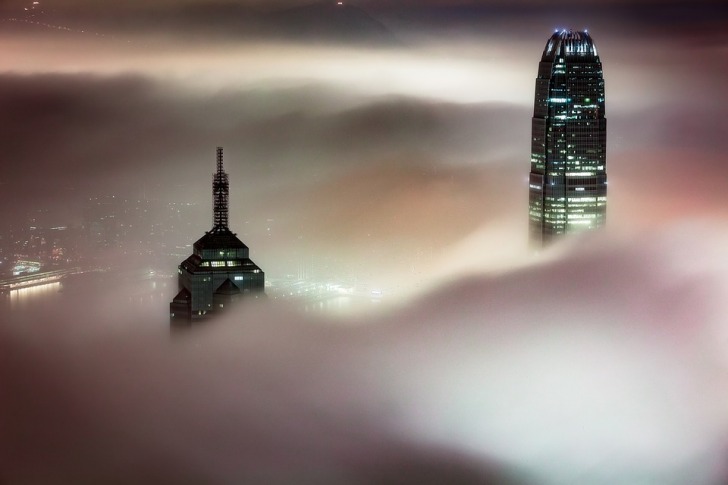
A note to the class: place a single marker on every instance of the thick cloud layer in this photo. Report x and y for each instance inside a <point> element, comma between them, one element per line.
<point>404,166</point>
<point>354,179</point>
<point>604,362</point>
<point>383,185</point>
<point>390,164</point>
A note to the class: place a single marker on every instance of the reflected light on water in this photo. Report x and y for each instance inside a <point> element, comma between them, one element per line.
<point>24,297</point>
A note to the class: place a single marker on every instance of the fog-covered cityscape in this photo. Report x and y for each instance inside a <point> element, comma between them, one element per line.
<point>468,276</point>
<point>117,241</point>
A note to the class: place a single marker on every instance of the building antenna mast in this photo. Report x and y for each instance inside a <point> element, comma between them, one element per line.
<point>220,196</point>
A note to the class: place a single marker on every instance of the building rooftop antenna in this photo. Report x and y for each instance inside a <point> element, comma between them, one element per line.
<point>220,196</point>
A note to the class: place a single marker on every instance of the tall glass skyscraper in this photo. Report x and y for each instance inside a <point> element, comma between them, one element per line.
<point>568,180</point>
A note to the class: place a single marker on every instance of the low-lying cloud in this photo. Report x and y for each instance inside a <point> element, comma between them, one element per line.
<point>603,362</point>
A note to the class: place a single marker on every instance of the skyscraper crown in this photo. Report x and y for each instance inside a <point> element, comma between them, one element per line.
<point>569,43</point>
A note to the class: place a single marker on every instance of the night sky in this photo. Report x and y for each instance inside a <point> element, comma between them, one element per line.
<point>390,140</point>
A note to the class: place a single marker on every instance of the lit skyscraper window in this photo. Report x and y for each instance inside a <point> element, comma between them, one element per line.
<point>568,180</point>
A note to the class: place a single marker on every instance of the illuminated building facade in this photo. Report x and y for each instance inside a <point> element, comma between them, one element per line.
<point>568,179</point>
<point>219,271</point>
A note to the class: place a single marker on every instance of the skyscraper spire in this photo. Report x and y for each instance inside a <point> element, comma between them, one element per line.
<point>220,195</point>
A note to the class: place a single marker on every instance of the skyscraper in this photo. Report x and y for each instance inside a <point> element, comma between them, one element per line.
<point>219,271</point>
<point>568,180</point>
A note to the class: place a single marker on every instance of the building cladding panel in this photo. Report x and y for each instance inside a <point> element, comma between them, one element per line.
<point>568,180</point>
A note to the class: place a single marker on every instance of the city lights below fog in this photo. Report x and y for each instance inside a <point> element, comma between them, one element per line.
<point>28,297</point>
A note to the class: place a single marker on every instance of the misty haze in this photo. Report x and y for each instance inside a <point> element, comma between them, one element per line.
<point>378,158</point>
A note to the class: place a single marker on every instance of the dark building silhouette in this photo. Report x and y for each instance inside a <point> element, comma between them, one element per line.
<point>219,271</point>
<point>568,180</point>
